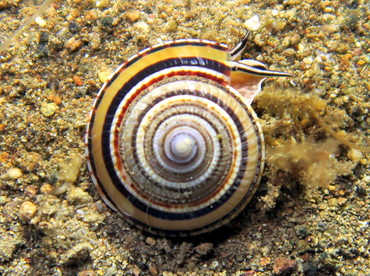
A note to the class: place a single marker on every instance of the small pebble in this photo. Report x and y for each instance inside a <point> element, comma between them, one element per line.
<point>204,248</point>
<point>27,210</point>
<point>342,201</point>
<point>137,271</point>
<point>330,28</point>
<point>73,44</point>
<point>74,27</point>
<point>361,62</point>
<point>78,195</point>
<point>4,156</point>
<point>153,269</point>
<point>77,254</point>
<point>103,3</point>
<point>265,261</point>
<point>355,155</point>
<point>292,2</point>
<point>142,27</point>
<point>150,241</point>
<point>88,272</point>
<point>302,231</point>
<point>294,39</point>
<point>171,26</point>
<point>108,22</point>
<point>31,161</point>
<point>361,191</point>
<point>70,169</point>
<point>333,202</point>
<point>78,81</point>
<point>44,38</point>
<point>46,188</point>
<point>3,200</point>
<point>250,273</point>
<point>91,15</point>
<point>332,188</point>
<point>13,173</point>
<point>302,246</point>
<point>104,75</point>
<point>309,268</point>
<point>40,21</point>
<point>284,266</point>
<point>45,226</point>
<point>132,16</point>
<point>48,109</point>
<point>55,98</point>
<point>30,190</point>
<point>253,23</point>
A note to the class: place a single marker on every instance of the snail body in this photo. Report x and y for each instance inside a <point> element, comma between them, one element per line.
<point>171,144</point>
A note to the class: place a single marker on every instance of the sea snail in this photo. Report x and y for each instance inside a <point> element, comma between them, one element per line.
<point>172,143</point>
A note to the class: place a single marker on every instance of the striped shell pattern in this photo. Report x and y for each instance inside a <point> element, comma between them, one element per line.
<point>172,143</point>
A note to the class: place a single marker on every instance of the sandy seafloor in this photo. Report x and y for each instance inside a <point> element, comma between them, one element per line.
<point>311,213</point>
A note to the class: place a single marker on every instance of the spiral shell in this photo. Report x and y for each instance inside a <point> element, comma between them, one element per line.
<point>171,145</point>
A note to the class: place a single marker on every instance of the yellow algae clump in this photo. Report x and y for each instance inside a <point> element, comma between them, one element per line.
<point>303,135</point>
<point>314,163</point>
<point>294,109</point>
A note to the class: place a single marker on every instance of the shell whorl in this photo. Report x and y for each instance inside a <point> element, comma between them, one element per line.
<point>170,144</point>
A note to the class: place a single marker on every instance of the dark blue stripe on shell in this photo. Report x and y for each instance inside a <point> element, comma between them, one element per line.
<point>183,233</point>
<point>173,44</point>
<point>168,63</point>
